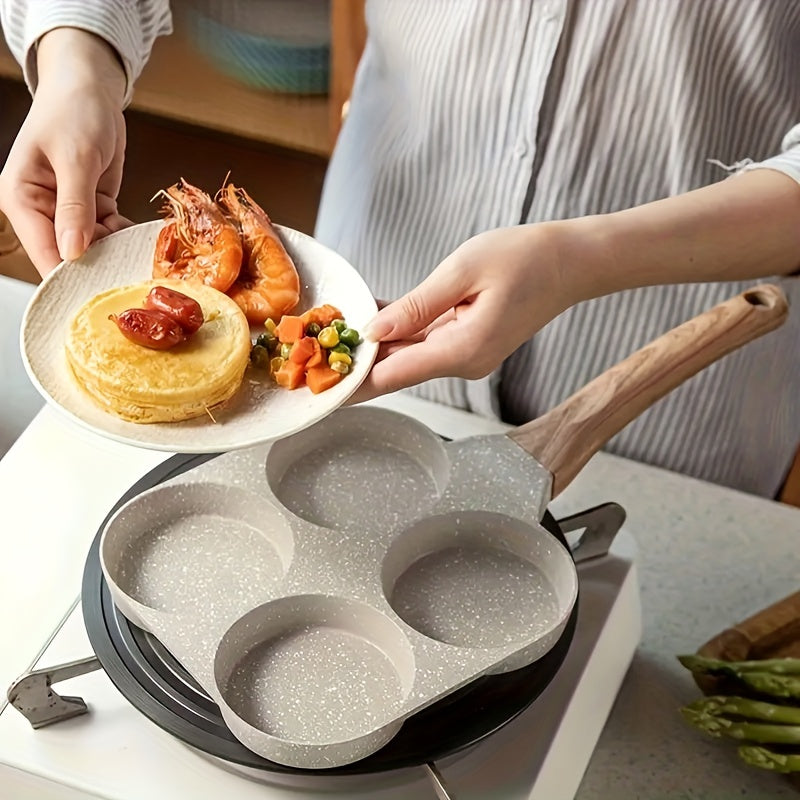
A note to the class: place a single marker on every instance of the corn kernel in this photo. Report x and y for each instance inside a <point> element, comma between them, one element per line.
<point>343,358</point>
<point>328,337</point>
<point>275,364</point>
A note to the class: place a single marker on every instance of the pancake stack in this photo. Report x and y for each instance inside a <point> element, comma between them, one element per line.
<point>143,385</point>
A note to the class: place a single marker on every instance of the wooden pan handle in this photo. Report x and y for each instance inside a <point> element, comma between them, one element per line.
<point>567,436</point>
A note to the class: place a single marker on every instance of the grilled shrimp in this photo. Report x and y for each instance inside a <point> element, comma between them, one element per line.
<point>198,241</point>
<point>268,284</point>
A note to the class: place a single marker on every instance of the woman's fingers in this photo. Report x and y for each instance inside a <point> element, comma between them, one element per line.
<point>407,364</point>
<point>441,290</point>
<point>110,224</point>
<point>36,233</point>
<point>76,206</point>
<point>392,371</point>
<point>439,353</point>
<point>488,296</point>
<point>116,222</point>
<point>34,230</point>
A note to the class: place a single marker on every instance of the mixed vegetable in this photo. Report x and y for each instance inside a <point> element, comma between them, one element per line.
<point>764,714</point>
<point>314,349</point>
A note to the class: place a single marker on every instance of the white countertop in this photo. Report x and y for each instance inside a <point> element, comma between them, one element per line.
<point>708,557</point>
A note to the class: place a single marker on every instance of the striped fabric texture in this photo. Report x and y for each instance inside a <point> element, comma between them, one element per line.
<point>130,26</point>
<point>472,114</point>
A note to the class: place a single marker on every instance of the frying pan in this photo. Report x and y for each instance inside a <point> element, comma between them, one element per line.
<point>563,440</point>
<point>156,684</point>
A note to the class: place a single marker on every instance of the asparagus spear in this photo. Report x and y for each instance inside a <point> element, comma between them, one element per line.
<point>771,676</point>
<point>775,685</point>
<point>745,730</point>
<point>776,666</point>
<point>745,708</point>
<point>769,759</point>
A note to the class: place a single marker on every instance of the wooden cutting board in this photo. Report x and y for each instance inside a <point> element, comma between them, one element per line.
<point>773,632</point>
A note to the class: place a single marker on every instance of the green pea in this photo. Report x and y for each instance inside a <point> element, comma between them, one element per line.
<point>350,337</point>
<point>341,348</point>
<point>339,324</point>
<point>259,356</point>
<point>312,329</point>
<point>267,341</point>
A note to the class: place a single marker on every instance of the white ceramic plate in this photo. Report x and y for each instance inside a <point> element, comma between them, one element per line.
<point>259,412</point>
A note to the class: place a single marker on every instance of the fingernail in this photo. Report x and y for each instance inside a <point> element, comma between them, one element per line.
<point>377,328</point>
<point>70,246</point>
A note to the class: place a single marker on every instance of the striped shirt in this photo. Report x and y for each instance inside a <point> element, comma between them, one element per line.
<point>468,115</point>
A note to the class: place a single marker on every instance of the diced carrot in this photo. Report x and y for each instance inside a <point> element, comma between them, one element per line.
<point>290,375</point>
<point>310,315</point>
<point>303,349</point>
<point>323,315</point>
<point>321,378</point>
<point>290,329</point>
<point>327,314</point>
<point>317,357</point>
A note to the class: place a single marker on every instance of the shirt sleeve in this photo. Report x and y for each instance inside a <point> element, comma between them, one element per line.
<point>787,161</point>
<point>129,26</point>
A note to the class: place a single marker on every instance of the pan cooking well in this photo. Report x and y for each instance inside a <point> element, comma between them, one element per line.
<point>324,588</point>
<point>160,687</point>
<point>319,634</point>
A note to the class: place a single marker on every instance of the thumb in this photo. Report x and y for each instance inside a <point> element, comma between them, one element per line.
<point>76,211</point>
<point>417,309</point>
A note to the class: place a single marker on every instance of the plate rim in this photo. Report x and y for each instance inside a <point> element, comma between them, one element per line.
<point>367,358</point>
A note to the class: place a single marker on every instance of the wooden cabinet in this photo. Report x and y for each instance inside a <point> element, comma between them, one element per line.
<point>180,84</point>
<point>348,36</point>
<point>189,120</point>
<point>13,261</point>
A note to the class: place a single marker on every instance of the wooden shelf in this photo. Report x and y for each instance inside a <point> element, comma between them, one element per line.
<point>8,67</point>
<point>179,83</point>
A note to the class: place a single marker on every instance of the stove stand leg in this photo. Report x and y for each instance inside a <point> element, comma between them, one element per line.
<point>438,782</point>
<point>33,696</point>
<point>599,525</point>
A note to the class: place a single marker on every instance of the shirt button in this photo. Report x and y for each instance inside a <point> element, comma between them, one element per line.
<point>521,149</point>
<point>549,14</point>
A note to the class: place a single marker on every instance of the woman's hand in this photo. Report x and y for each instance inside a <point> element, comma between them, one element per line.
<point>499,288</point>
<point>60,183</point>
<point>484,300</point>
